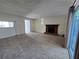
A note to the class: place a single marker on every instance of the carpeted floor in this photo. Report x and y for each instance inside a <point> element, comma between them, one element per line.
<point>33,46</point>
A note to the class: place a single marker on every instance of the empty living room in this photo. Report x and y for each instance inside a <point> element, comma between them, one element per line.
<point>39,29</point>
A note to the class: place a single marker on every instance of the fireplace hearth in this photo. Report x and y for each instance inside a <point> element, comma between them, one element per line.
<point>52,29</point>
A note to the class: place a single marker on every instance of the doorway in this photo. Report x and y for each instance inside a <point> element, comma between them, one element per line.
<point>27,26</point>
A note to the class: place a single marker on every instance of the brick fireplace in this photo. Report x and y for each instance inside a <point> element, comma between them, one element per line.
<point>52,28</point>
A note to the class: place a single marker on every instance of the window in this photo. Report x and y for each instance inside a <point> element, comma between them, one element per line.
<point>6,24</point>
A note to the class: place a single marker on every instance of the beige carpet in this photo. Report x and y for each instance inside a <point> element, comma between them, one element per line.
<point>33,46</point>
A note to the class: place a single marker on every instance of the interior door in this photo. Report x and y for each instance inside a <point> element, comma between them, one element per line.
<point>73,32</point>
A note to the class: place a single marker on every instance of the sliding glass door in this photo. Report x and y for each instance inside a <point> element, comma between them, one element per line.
<point>73,32</point>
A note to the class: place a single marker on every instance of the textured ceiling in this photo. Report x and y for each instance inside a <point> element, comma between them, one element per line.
<point>35,8</point>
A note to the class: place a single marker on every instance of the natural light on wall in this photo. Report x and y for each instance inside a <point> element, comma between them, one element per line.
<point>27,26</point>
<point>42,20</point>
<point>6,24</point>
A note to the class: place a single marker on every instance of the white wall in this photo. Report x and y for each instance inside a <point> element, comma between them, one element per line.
<point>32,25</point>
<point>36,25</point>
<point>39,27</point>
<point>19,25</point>
<point>61,20</point>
